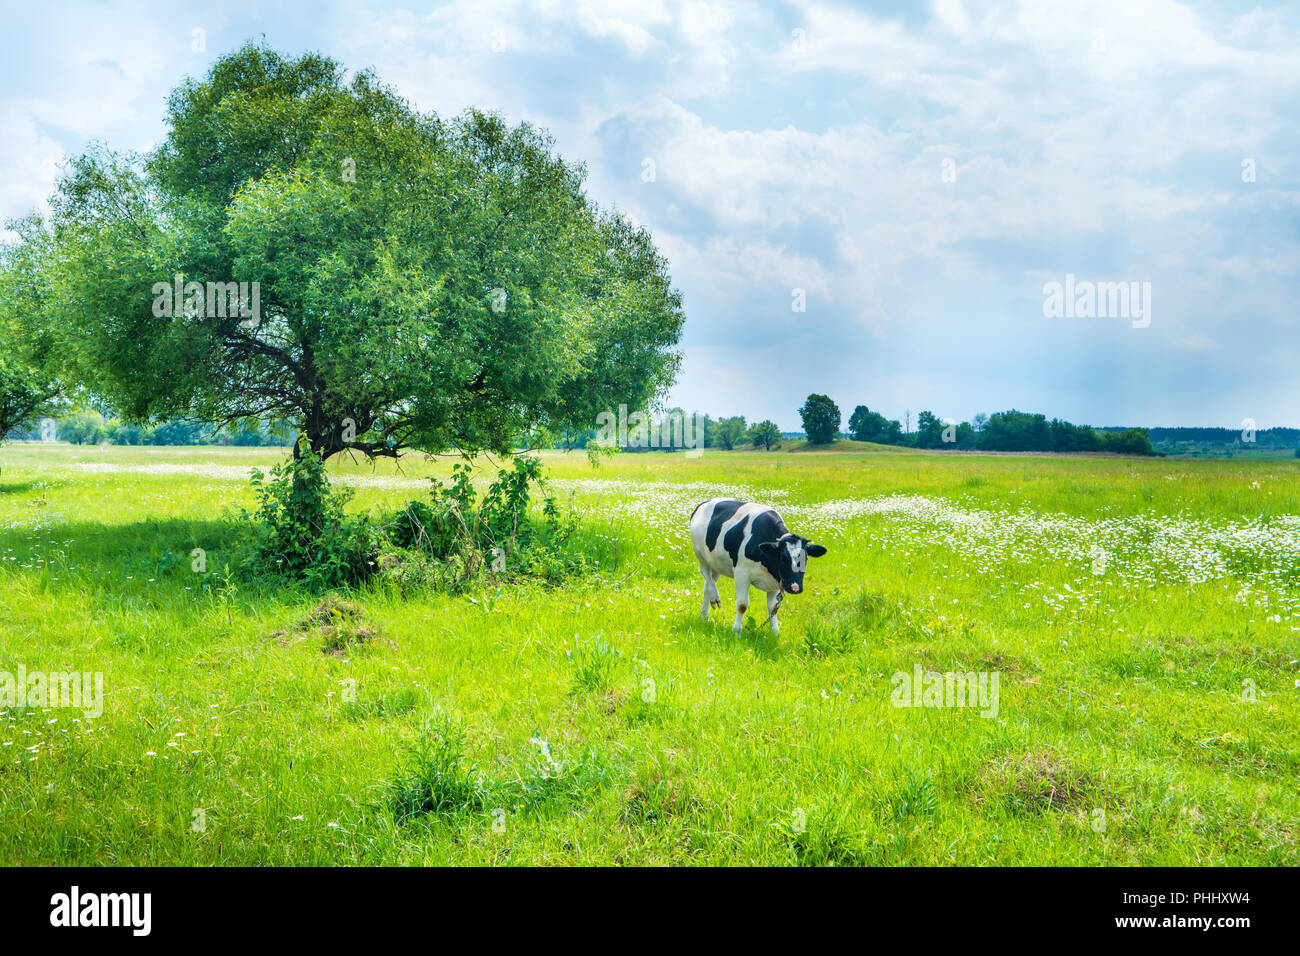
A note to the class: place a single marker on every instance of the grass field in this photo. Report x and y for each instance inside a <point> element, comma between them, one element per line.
<point>1140,615</point>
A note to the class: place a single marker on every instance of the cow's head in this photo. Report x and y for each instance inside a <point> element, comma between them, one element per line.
<point>790,555</point>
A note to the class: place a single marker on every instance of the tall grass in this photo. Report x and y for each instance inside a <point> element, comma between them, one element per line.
<point>1143,718</point>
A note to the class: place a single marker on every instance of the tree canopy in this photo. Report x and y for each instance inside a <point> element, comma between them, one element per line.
<point>419,282</point>
<point>765,433</point>
<point>821,419</point>
<point>729,432</point>
<point>24,395</point>
<point>866,425</point>
<point>28,387</point>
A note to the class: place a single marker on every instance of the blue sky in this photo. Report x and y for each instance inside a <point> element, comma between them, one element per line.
<point>920,171</point>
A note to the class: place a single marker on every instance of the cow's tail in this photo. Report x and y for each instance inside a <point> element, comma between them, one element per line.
<point>698,507</point>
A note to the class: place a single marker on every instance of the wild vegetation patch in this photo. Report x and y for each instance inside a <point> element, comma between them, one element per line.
<point>452,542</point>
<point>1042,782</point>
<point>438,780</point>
<point>387,706</point>
<point>594,664</point>
<point>455,541</point>
<point>652,799</point>
<point>844,625</point>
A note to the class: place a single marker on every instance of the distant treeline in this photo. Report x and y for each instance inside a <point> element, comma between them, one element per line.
<point>1011,430</point>
<point>84,427</point>
<point>674,429</point>
<point>1002,431</point>
<point>1224,440</point>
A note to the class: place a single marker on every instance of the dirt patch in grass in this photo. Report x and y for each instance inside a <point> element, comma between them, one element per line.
<point>1006,664</point>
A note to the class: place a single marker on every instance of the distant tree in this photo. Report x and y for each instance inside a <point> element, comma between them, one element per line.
<point>1274,438</point>
<point>859,426</point>
<point>729,432</point>
<point>821,419</point>
<point>1130,441</point>
<point>1065,437</point>
<point>247,436</point>
<point>127,433</point>
<point>765,433</point>
<point>177,433</point>
<point>929,430</point>
<point>83,428</point>
<point>1023,431</point>
<point>866,425</point>
<point>978,422</point>
<point>1015,431</point>
<point>710,430</point>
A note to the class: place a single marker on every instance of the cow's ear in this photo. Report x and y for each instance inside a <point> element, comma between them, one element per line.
<point>767,547</point>
<point>815,550</point>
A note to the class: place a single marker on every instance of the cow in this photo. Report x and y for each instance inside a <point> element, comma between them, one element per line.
<point>750,543</point>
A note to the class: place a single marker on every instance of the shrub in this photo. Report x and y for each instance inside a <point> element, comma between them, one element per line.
<point>449,541</point>
<point>437,779</point>
<point>301,531</point>
<point>594,664</point>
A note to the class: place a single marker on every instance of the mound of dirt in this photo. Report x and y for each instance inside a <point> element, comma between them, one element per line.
<point>331,611</point>
<point>337,623</point>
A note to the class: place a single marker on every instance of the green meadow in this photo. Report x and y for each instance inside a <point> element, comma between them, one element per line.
<point>1140,617</point>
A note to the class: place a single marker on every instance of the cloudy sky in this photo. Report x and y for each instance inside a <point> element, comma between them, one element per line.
<point>914,173</point>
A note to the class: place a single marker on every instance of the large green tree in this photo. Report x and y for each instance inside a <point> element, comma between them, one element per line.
<point>421,282</point>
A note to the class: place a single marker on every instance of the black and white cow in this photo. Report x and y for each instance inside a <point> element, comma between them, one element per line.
<point>750,543</point>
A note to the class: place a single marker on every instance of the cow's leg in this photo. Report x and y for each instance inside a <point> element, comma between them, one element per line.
<point>773,604</point>
<point>742,599</point>
<point>711,596</point>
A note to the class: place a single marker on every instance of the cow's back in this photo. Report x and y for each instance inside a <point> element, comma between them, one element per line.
<point>724,532</point>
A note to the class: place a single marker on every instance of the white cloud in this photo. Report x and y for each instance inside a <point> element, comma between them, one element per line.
<point>30,160</point>
<point>821,164</point>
